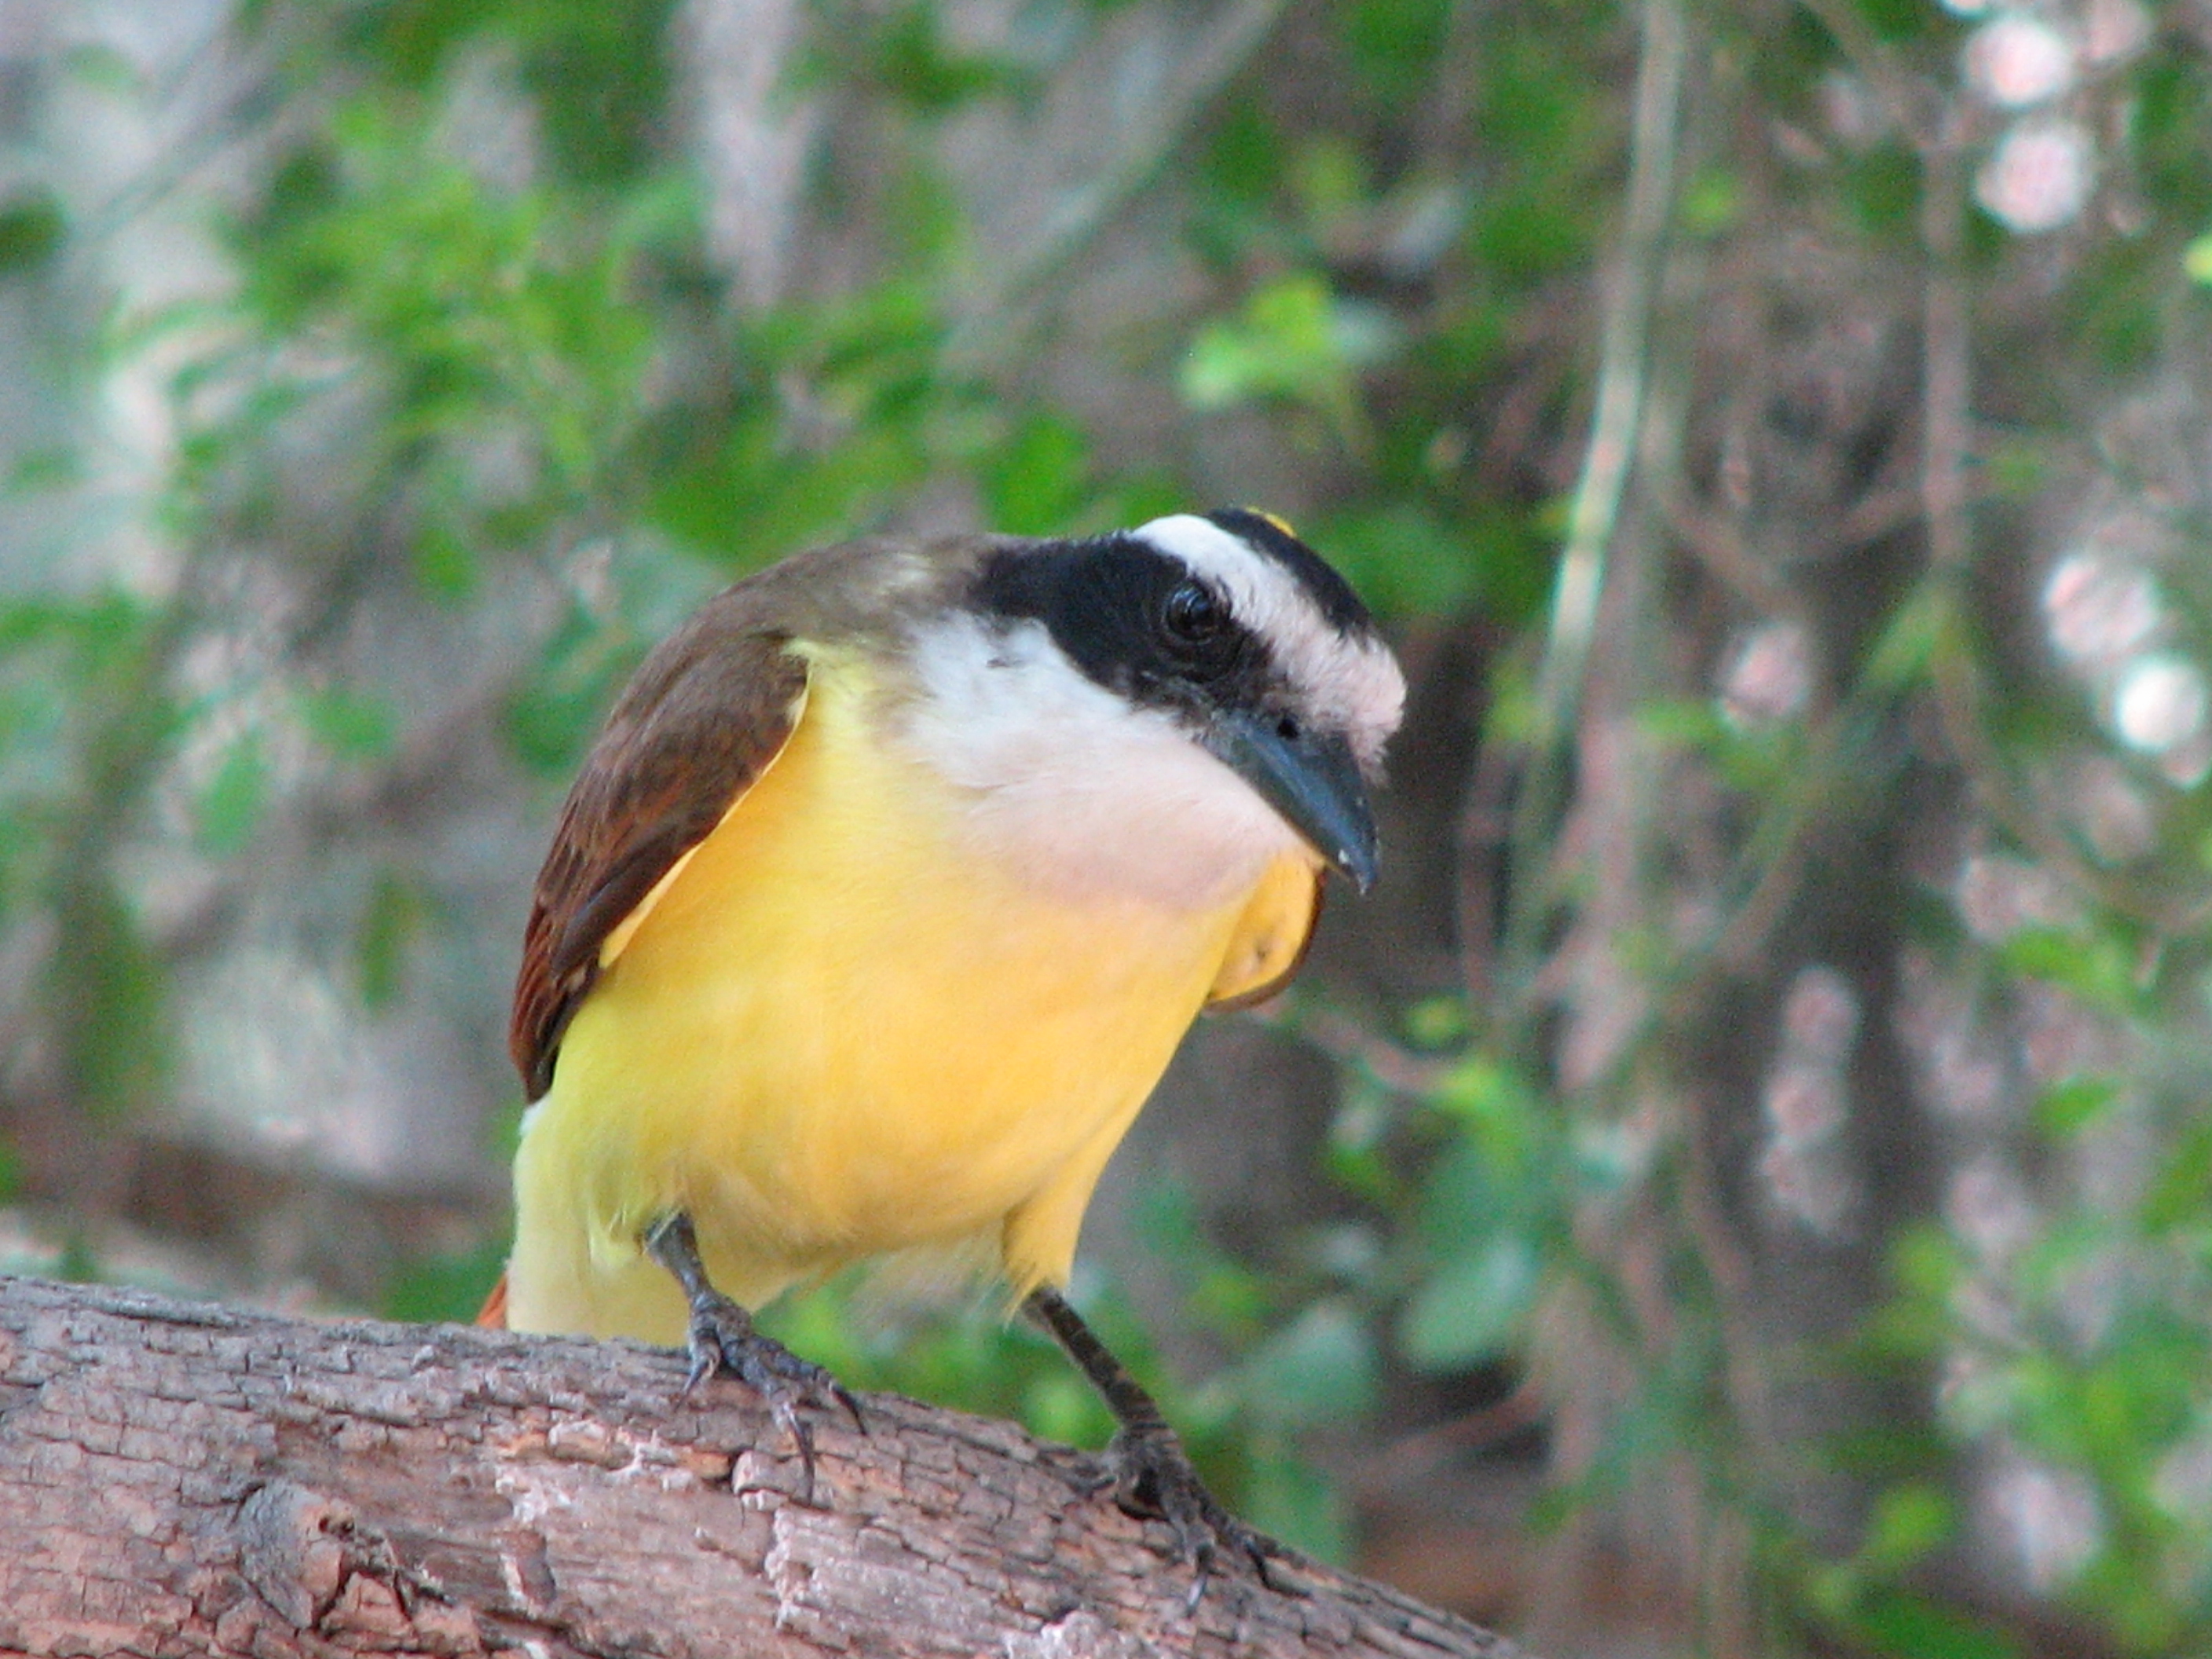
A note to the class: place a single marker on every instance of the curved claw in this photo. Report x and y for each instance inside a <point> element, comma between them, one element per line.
<point>722,1340</point>
<point>844,1397</point>
<point>1153,1479</point>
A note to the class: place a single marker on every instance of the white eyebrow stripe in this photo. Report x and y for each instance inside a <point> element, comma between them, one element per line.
<point>1351,679</point>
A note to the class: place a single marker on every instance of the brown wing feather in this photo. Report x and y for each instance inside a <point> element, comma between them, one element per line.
<point>704,716</point>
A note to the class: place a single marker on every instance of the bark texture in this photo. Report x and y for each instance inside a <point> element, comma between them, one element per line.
<point>185,1478</point>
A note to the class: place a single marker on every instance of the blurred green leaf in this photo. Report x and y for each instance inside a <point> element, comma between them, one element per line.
<point>557,709</point>
<point>601,71</point>
<point>389,923</point>
<point>1711,203</point>
<point>2170,96</point>
<point>906,52</point>
<point>1498,1109</point>
<point>1406,560</point>
<point>1320,1367</point>
<point>1288,1497</point>
<point>1393,43</point>
<point>1909,1522</point>
<point>352,724</point>
<point>1882,187</point>
<point>1897,20</point>
<point>107,69</point>
<point>2117,305</point>
<point>1294,340</point>
<point>443,563</point>
<point>1228,1297</point>
<point>1917,627</point>
<point>2094,964</point>
<point>2068,1107</point>
<point>446,1288</point>
<point>1035,482</point>
<point>1245,152</point>
<point>1471,1311</point>
<point>110,995</point>
<point>1912,1626</point>
<point>32,228</point>
<point>230,806</point>
<point>53,466</point>
<point>1437,1022</point>
<point>2181,1193</point>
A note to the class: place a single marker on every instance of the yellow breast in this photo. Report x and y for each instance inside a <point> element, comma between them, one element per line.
<point>838,1031</point>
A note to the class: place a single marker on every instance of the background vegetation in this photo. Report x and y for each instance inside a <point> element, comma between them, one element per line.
<point>1744,1183</point>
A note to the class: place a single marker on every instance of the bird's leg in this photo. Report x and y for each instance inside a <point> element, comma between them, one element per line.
<point>1152,1474</point>
<point>722,1338</point>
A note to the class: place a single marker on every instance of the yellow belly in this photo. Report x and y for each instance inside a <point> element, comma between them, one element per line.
<point>838,1034</point>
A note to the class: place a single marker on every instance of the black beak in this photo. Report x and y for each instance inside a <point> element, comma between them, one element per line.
<point>1312,780</point>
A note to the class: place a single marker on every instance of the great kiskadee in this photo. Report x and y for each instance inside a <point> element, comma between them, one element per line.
<point>881,904</point>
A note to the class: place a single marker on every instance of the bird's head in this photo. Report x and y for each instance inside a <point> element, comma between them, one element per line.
<point>1186,646</point>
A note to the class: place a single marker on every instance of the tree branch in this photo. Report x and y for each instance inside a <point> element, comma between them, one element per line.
<point>180,1479</point>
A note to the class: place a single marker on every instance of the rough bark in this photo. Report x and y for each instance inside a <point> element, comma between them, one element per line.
<point>180,1479</point>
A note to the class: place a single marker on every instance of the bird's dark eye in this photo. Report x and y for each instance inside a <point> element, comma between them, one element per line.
<point>1193,616</point>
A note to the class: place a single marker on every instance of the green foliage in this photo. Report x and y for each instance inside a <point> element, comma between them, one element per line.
<point>77,720</point>
<point>1294,341</point>
<point>478,311</point>
<point>390,922</point>
<point>1393,45</point>
<point>2111,1392</point>
<point>109,993</point>
<point>2117,307</point>
<point>1899,1623</point>
<point>445,1288</point>
<point>1476,1182</point>
<point>230,806</point>
<point>1473,1309</point>
<point>32,229</point>
<point>905,53</point>
<point>351,723</point>
<point>1556,124</point>
<point>2171,106</point>
<point>1882,191</point>
<point>1037,480</point>
<point>1408,559</point>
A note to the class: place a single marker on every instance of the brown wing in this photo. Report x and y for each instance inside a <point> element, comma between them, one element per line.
<point>704,716</point>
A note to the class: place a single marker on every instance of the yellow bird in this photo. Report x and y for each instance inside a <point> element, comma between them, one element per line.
<point>884,900</point>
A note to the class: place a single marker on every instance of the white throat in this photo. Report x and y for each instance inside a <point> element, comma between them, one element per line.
<point>1087,798</point>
